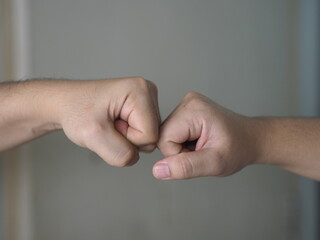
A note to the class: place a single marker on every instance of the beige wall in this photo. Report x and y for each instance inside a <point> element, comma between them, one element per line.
<point>235,51</point>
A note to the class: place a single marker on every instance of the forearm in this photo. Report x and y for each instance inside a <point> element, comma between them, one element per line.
<point>290,143</point>
<point>115,118</point>
<point>25,112</point>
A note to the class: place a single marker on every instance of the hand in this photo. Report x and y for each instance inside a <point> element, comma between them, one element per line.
<point>116,118</point>
<point>200,138</point>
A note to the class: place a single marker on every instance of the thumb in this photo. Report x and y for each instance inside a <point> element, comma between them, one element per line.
<point>186,165</point>
<point>111,146</point>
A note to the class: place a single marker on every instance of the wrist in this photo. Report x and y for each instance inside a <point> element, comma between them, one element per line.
<point>260,131</point>
<point>42,102</point>
<point>271,140</point>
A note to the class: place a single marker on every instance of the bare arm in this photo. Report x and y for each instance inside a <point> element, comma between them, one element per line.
<point>201,138</point>
<point>116,118</point>
<point>22,114</point>
<point>290,143</point>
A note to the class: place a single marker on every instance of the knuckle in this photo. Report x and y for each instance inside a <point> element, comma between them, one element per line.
<point>192,100</point>
<point>144,139</point>
<point>168,149</point>
<point>140,81</point>
<point>152,86</point>
<point>164,146</point>
<point>153,139</point>
<point>184,166</point>
<point>197,103</point>
<point>191,95</point>
<point>161,144</point>
<point>148,148</point>
<point>163,131</point>
<point>123,158</point>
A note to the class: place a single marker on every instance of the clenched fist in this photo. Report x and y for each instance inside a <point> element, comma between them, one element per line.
<point>200,138</point>
<point>116,118</point>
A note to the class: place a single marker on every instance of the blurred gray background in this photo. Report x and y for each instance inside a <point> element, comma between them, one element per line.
<point>241,53</point>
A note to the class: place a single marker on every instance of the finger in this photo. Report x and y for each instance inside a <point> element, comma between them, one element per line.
<point>172,135</point>
<point>143,121</point>
<point>111,146</point>
<point>154,95</point>
<point>188,165</point>
<point>180,127</point>
<point>122,127</point>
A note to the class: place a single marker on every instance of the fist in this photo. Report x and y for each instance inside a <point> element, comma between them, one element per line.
<point>200,138</point>
<point>116,118</point>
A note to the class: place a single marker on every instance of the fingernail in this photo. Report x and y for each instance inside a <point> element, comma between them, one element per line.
<point>161,170</point>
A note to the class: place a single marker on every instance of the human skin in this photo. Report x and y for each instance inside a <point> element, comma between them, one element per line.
<point>118,118</point>
<point>115,118</point>
<point>201,138</point>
